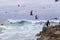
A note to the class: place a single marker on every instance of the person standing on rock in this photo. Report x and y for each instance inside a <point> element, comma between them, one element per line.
<point>47,23</point>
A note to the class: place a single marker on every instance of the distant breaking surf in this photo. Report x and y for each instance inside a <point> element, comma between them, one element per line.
<point>22,29</point>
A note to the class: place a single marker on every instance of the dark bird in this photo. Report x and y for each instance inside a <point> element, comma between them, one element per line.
<point>47,23</point>
<point>18,5</point>
<point>56,0</point>
<point>36,17</point>
<point>55,18</point>
<point>2,24</point>
<point>31,13</point>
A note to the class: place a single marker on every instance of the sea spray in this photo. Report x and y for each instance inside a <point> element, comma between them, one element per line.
<point>22,29</point>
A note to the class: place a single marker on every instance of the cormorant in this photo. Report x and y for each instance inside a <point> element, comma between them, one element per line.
<point>31,13</point>
<point>36,17</point>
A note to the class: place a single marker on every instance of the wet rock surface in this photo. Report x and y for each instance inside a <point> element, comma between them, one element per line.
<point>49,33</point>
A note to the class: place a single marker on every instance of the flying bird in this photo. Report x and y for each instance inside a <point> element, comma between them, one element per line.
<point>56,0</point>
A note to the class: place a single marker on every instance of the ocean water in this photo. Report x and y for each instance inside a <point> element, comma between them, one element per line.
<point>21,29</point>
<point>26,29</point>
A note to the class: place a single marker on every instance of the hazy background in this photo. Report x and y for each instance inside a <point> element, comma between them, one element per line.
<point>45,9</point>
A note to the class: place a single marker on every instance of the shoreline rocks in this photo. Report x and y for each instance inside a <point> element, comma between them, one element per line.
<point>49,33</point>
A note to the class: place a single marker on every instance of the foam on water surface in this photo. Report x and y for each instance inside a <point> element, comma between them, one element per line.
<point>21,29</point>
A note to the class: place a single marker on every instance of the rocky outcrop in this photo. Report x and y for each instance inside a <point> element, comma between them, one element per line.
<point>49,33</point>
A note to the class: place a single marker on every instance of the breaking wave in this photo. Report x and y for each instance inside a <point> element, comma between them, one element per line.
<point>22,29</point>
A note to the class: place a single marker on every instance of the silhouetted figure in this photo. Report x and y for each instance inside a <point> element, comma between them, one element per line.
<point>31,13</point>
<point>55,18</point>
<point>36,17</point>
<point>18,5</point>
<point>56,0</point>
<point>47,23</point>
<point>2,24</point>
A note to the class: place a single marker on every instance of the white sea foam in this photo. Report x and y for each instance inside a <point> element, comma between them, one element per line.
<point>21,29</point>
